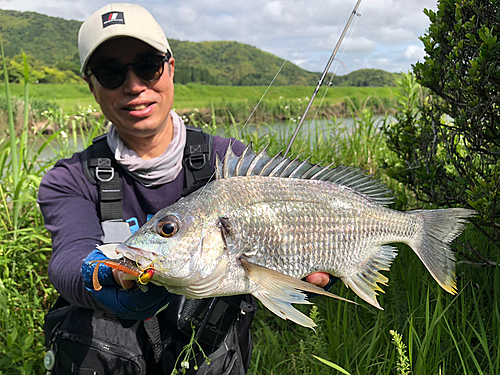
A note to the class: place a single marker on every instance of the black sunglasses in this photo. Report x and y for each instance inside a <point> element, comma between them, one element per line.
<point>112,75</point>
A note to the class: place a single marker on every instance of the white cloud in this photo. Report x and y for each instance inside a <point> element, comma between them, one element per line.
<point>414,53</point>
<point>186,14</point>
<point>385,36</point>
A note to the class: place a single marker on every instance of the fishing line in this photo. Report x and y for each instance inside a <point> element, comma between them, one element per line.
<point>281,68</point>
<point>201,190</point>
<point>339,61</point>
<point>320,82</point>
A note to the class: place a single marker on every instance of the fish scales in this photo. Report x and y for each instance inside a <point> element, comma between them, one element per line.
<point>265,223</point>
<point>313,233</point>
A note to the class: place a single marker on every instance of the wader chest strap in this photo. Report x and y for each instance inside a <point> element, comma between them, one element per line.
<point>196,162</point>
<point>100,169</point>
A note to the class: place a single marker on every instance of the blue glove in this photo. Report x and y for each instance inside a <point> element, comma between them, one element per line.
<point>133,304</point>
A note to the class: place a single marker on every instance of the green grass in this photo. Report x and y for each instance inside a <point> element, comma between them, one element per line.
<point>443,334</point>
<point>191,96</point>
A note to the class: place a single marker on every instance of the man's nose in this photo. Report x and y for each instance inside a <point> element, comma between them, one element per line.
<point>133,83</point>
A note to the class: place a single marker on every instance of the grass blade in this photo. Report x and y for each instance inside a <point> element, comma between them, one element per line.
<point>332,365</point>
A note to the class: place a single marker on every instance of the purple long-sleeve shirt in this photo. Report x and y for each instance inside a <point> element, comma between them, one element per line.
<point>69,204</point>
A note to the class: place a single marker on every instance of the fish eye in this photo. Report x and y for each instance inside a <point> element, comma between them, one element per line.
<point>168,226</point>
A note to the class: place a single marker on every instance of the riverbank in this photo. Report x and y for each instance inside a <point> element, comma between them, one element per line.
<point>52,106</point>
<point>72,97</point>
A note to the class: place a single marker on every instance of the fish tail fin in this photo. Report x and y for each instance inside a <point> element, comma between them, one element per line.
<point>432,245</point>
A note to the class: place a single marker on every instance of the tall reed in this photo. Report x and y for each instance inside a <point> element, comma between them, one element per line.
<point>25,246</point>
<point>12,133</point>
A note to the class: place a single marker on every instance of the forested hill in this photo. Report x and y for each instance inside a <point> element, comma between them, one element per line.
<point>51,44</point>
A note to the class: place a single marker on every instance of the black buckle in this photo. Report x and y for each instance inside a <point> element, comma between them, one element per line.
<point>199,159</point>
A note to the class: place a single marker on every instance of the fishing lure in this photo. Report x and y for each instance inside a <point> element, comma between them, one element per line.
<point>143,276</point>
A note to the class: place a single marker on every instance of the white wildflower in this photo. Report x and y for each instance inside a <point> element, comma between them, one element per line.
<point>64,134</point>
<point>185,364</point>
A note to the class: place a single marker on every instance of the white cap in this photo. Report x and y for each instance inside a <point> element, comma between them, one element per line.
<point>119,20</point>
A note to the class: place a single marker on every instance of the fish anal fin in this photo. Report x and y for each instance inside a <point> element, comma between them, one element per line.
<point>365,282</point>
<point>278,291</point>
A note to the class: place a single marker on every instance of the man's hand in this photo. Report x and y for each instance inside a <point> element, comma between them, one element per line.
<point>129,303</point>
<point>123,279</point>
<point>318,278</point>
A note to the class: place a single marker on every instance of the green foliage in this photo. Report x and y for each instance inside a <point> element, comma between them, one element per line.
<point>25,291</point>
<point>49,40</point>
<point>366,78</point>
<point>51,44</point>
<point>444,334</point>
<point>36,108</point>
<point>233,63</point>
<point>403,366</point>
<point>40,73</point>
<point>448,141</point>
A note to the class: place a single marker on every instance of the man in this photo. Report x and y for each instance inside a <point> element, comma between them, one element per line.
<point>129,67</point>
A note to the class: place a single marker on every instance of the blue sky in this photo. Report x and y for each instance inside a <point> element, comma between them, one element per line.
<point>384,36</point>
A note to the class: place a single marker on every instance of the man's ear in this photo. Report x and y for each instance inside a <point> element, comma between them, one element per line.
<point>91,85</point>
<point>171,67</point>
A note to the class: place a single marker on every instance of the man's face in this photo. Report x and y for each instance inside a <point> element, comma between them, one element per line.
<point>137,108</point>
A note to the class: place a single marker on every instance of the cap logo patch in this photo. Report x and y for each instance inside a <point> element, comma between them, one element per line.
<point>112,18</point>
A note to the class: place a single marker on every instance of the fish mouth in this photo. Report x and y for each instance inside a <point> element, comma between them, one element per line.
<point>177,274</point>
<point>142,257</point>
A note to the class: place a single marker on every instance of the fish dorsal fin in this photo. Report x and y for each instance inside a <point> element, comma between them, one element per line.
<point>261,164</point>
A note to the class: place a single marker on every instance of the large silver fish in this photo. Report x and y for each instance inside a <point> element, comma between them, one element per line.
<point>266,222</point>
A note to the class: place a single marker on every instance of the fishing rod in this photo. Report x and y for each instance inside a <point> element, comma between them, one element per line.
<point>320,82</point>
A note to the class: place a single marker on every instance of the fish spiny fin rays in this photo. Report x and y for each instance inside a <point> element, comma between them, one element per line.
<point>244,161</point>
<point>364,283</point>
<point>261,164</point>
<point>278,292</point>
<point>230,162</point>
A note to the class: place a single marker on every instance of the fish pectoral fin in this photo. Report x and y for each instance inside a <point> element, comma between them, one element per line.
<point>283,309</point>
<point>278,291</point>
<point>364,283</point>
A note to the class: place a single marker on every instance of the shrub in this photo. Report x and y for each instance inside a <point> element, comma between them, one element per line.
<point>448,143</point>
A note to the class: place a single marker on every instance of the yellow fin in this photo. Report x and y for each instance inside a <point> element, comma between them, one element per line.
<point>364,283</point>
<point>278,292</point>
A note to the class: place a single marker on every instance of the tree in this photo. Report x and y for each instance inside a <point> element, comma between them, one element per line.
<point>449,147</point>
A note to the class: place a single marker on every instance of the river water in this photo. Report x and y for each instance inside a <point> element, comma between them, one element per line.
<point>311,130</point>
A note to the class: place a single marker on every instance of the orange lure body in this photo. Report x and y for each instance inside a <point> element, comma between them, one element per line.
<point>143,276</point>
